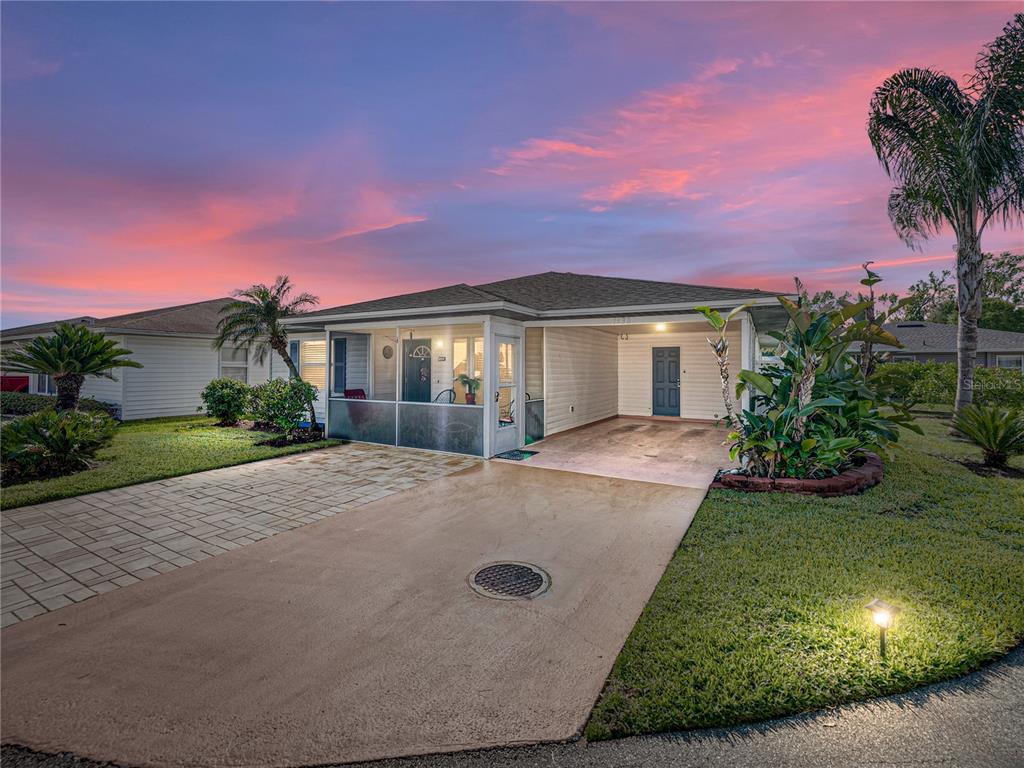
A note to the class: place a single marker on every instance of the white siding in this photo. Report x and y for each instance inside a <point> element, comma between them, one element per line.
<point>384,386</point>
<point>174,373</point>
<point>581,367</point>
<point>700,386</point>
<point>534,358</point>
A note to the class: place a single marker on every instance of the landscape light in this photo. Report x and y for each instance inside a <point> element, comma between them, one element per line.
<point>659,327</point>
<point>883,614</point>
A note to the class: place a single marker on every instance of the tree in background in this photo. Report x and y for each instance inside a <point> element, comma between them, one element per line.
<point>254,318</point>
<point>957,159</point>
<point>68,356</point>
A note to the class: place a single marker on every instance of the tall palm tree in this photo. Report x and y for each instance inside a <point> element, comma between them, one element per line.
<point>68,356</point>
<point>254,318</point>
<point>957,157</point>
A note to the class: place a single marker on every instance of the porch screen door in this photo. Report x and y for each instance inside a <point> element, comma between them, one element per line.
<point>508,404</point>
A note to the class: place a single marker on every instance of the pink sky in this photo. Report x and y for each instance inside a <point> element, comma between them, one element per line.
<point>368,151</point>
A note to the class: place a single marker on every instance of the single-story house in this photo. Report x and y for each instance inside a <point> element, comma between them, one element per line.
<point>552,351</point>
<point>175,347</point>
<point>936,342</point>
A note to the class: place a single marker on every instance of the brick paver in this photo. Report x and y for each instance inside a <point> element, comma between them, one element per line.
<point>63,552</point>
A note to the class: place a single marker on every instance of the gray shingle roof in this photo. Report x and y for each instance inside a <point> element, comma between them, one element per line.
<point>918,336</point>
<point>555,291</point>
<point>200,317</point>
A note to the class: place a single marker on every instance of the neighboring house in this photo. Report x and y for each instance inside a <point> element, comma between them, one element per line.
<point>554,351</point>
<point>175,347</point>
<point>936,342</point>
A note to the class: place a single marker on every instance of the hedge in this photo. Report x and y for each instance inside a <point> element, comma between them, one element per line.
<point>931,382</point>
<point>24,403</point>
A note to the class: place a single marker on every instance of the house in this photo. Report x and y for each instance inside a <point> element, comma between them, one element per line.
<point>936,342</point>
<point>175,347</point>
<point>552,351</point>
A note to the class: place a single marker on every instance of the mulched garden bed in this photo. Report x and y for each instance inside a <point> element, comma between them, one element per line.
<point>852,481</point>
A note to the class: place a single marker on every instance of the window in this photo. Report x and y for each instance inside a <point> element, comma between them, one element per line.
<point>507,354</point>
<point>468,358</point>
<point>339,362</point>
<point>903,359</point>
<point>234,363</point>
<point>293,353</point>
<point>45,385</point>
<point>313,363</point>
<point>1010,361</point>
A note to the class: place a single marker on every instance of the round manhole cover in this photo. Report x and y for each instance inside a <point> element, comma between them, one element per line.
<point>510,581</point>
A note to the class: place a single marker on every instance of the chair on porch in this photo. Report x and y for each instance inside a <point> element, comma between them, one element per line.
<point>445,396</point>
<point>355,394</point>
<point>511,418</point>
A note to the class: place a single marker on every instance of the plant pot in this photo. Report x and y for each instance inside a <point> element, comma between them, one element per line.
<point>470,399</point>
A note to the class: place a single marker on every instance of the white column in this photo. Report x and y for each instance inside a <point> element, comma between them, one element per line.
<point>746,347</point>
<point>487,388</point>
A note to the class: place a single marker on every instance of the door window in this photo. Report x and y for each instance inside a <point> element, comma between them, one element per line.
<point>508,354</point>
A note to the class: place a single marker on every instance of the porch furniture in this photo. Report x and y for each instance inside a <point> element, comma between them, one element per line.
<point>446,396</point>
<point>355,394</point>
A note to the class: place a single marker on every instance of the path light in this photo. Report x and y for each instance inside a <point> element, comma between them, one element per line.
<point>883,614</point>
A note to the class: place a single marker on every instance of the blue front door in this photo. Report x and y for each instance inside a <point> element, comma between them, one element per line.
<point>665,400</point>
<point>416,371</point>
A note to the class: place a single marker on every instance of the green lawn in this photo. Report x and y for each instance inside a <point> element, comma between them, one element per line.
<point>761,611</point>
<point>152,450</point>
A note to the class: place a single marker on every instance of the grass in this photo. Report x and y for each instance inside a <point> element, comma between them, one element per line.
<point>761,611</point>
<point>152,450</point>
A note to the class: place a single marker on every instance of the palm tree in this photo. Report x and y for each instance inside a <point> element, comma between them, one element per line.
<point>957,157</point>
<point>254,318</point>
<point>68,356</point>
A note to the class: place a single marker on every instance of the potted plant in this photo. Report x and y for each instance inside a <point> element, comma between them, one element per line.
<point>471,384</point>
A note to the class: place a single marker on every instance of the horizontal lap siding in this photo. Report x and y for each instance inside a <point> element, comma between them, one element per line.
<point>581,367</point>
<point>108,390</point>
<point>535,362</point>
<point>700,385</point>
<point>174,373</point>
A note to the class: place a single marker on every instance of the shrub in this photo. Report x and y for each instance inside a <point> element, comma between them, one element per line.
<point>931,382</point>
<point>226,400</point>
<point>282,403</point>
<point>998,432</point>
<point>50,444</point>
<point>24,403</point>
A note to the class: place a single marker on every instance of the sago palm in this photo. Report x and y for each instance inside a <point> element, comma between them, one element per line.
<point>253,320</point>
<point>998,432</point>
<point>957,157</point>
<point>68,356</point>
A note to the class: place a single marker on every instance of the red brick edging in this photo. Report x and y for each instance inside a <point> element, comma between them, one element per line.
<point>854,480</point>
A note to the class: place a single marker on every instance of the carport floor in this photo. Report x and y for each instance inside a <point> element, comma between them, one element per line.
<point>680,453</point>
<point>357,637</point>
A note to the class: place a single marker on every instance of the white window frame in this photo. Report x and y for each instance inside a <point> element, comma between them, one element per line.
<point>1020,361</point>
<point>234,365</point>
<point>302,363</point>
<point>45,385</point>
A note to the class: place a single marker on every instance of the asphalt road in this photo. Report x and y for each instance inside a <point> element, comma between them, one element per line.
<point>974,722</point>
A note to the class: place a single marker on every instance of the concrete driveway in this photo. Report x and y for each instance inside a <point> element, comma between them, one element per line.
<point>357,637</point>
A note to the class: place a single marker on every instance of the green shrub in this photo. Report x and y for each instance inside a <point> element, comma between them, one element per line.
<point>931,382</point>
<point>226,400</point>
<point>50,444</point>
<point>24,403</point>
<point>281,403</point>
<point>998,432</point>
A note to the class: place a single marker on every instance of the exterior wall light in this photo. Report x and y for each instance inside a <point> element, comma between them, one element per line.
<point>883,615</point>
<point>659,327</point>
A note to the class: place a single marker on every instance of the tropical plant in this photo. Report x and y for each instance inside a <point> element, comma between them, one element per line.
<point>51,443</point>
<point>281,403</point>
<point>226,400</point>
<point>471,383</point>
<point>254,318</point>
<point>997,431</point>
<point>957,157</point>
<point>68,356</point>
<point>720,347</point>
<point>813,412</point>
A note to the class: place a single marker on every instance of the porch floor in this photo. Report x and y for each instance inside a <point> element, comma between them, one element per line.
<point>682,453</point>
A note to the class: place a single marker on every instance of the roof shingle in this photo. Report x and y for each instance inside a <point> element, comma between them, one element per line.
<point>919,336</point>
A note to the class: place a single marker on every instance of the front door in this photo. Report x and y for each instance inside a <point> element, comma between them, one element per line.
<point>666,381</point>
<point>416,371</point>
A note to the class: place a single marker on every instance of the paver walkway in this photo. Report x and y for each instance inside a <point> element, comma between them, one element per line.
<point>63,552</point>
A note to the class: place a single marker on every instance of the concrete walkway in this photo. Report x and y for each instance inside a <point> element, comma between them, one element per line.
<point>356,637</point>
<point>974,722</point>
<point>63,552</point>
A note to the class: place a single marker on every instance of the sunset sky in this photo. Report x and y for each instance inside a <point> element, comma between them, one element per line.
<point>156,154</point>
